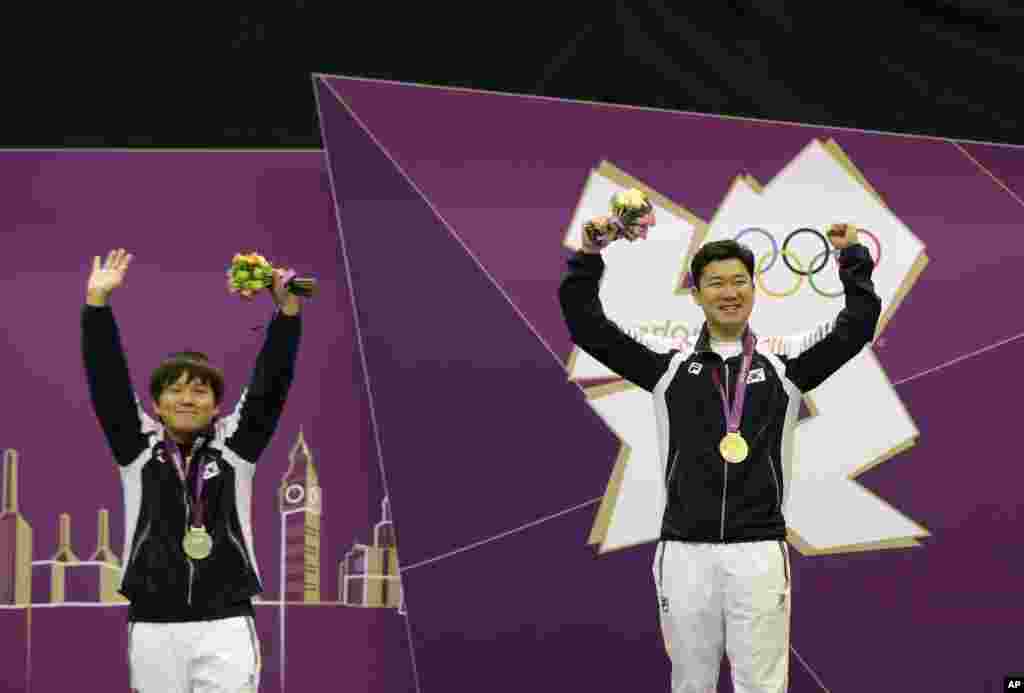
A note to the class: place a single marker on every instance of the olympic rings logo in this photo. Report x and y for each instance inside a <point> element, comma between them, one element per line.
<point>817,264</point>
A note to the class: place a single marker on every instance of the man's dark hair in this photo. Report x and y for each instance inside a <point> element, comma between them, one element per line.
<point>720,250</point>
<point>196,364</point>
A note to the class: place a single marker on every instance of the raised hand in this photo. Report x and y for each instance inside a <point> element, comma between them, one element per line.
<point>601,231</point>
<point>285,299</point>
<point>107,276</point>
<point>842,235</point>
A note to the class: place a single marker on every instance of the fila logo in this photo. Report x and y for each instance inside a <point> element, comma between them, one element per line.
<point>756,376</point>
<point>695,368</point>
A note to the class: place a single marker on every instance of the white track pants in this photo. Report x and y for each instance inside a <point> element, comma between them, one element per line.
<point>219,656</point>
<point>731,599</point>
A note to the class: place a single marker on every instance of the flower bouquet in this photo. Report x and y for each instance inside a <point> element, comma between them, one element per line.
<point>251,272</point>
<point>628,207</point>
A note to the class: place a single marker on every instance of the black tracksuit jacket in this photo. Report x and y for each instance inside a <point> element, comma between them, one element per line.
<point>160,581</point>
<point>709,499</point>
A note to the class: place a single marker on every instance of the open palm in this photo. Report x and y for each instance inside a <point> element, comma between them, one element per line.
<point>110,275</point>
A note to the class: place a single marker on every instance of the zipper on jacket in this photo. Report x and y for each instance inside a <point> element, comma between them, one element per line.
<point>725,465</point>
<point>241,550</point>
<point>672,469</point>
<point>775,479</point>
<point>138,546</point>
<point>191,567</point>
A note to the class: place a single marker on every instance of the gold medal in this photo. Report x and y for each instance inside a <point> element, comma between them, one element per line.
<point>733,448</point>
<point>197,543</point>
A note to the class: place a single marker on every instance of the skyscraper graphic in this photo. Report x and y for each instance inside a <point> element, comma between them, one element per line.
<point>301,502</point>
<point>15,540</point>
<point>368,575</point>
<point>104,564</point>
<point>62,560</point>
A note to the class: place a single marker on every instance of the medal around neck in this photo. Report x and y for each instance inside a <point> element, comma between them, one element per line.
<point>197,543</point>
<point>734,448</point>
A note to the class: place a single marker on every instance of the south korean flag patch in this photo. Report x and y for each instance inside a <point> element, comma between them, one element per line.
<point>210,470</point>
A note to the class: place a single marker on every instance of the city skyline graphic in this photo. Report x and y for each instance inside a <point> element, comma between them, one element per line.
<point>368,573</point>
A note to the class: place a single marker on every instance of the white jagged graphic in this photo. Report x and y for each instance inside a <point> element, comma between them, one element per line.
<point>826,510</point>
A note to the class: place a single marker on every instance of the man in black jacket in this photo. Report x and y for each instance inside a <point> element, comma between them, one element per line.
<point>189,568</point>
<point>726,407</point>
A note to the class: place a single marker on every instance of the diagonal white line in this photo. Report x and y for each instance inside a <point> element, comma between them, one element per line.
<point>652,109</point>
<point>502,535</point>
<point>809,670</point>
<point>989,173</point>
<point>362,343</point>
<point>959,359</point>
<point>444,221</point>
<point>412,646</point>
<point>355,308</point>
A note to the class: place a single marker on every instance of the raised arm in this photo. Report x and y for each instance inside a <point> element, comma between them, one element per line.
<point>106,368</point>
<point>812,357</point>
<point>594,333</point>
<point>251,425</point>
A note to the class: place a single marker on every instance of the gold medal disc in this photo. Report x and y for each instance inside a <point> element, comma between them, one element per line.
<point>733,448</point>
<point>197,543</point>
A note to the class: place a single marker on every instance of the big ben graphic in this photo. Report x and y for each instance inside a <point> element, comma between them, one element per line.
<point>300,502</point>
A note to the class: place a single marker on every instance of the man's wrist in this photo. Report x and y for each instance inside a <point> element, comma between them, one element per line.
<point>97,299</point>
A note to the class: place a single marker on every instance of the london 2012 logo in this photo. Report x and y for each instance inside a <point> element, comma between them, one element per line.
<point>646,289</point>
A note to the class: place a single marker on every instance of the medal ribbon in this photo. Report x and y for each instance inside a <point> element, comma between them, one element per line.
<point>734,414</point>
<point>196,503</point>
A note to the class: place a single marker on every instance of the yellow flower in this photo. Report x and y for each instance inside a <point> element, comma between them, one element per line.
<point>632,199</point>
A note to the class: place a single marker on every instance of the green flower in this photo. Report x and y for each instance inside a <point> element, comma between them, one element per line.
<point>254,285</point>
<point>241,275</point>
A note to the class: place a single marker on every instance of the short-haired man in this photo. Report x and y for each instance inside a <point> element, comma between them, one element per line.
<point>189,569</point>
<point>728,405</point>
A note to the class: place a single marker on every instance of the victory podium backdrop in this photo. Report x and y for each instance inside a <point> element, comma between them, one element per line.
<point>457,499</point>
<point>524,476</point>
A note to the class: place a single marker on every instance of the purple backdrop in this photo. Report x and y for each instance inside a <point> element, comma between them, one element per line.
<point>481,434</point>
<point>183,215</point>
